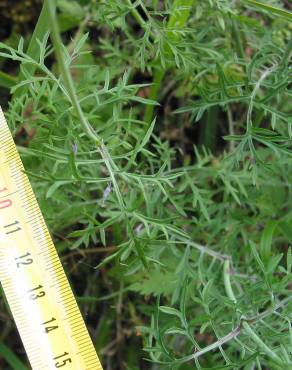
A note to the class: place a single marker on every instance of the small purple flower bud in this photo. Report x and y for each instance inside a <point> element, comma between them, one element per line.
<point>106,192</point>
<point>75,148</point>
<point>138,229</point>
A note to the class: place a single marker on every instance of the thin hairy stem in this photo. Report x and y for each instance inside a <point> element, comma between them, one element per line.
<point>248,330</point>
<point>65,72</point>
<point>178,21</point>
<point>69,84</point>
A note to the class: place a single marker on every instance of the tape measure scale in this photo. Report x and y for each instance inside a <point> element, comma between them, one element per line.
<point>34,282</point>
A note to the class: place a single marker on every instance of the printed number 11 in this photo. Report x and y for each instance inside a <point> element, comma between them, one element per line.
<point>9,228</point>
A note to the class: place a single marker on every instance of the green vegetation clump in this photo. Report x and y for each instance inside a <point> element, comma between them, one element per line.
<point>158,139</point>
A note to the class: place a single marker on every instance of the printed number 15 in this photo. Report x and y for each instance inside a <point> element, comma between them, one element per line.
<point>64,362</point>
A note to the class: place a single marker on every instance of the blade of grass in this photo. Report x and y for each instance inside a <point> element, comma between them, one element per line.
<point>271,9</point>
<point>208,129</point>
<point>41,29</point>
<point>11,358</point>
<point>238,40</point>
<point>267,239</point>
<point>6,80</point>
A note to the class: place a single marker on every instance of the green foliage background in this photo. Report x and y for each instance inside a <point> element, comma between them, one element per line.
<point>157,137</point>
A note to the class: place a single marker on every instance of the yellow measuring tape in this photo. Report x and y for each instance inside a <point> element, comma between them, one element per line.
<point>34,282</point>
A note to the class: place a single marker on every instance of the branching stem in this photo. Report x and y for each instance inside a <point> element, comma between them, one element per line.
<point>68,81</point>
<point>177,20</point>
<point>260,343</point>
<point>245,325</point>
<point>69,85</point>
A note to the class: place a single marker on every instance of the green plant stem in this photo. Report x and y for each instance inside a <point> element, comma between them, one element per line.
<point>68,81</point>
<point>287,54</point>
<point>157,79</point>
<point>11,358</point>
<point>260,343</point>
<point>41,29</point>
<point>219,343</point>
<point>271,9</point>
<point>238,40</point>
<point>208,128</point>
<point>264,75</point>
<point>69,85</point>
<point>177,21</point>
<point>6,80</point>
<point>230,128</point>
<point>138,17</point>
<point>227,281</point>
<point>236,331</point>
<point>79,33</point>
<point>245,325</point>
